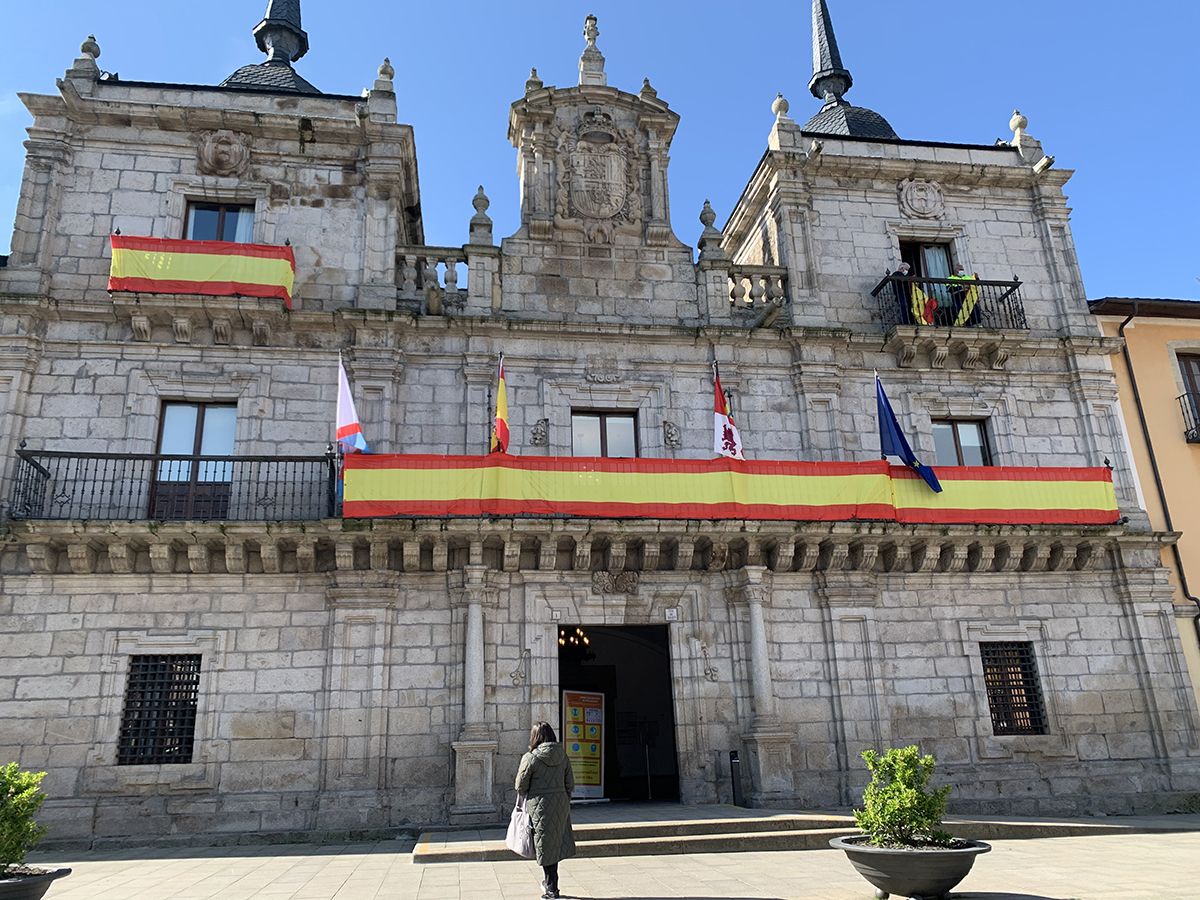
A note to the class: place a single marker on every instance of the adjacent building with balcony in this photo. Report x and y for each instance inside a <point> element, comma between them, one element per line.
<point>1157,367</point>
<point>197,633</point>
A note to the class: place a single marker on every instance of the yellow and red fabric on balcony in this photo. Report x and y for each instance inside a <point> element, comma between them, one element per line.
<point>502,485</point>
<point>215,268</point>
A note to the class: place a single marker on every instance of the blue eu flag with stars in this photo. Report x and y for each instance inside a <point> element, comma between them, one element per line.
<point>892,441</point>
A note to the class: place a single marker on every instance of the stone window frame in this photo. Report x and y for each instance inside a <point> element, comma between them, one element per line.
<point>154,385</point>
<point>199,189</point>
<point>102,774</point>
<point>1175,349</point>
<point>646,401</point>
<point>954,234</point>
<point>994,408</point>
<point>1004,747</point>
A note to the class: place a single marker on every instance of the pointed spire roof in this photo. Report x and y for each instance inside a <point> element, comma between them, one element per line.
<point>280,36</point>
<point>831,80</point>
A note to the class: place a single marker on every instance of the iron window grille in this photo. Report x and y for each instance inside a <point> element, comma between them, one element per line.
<point>1013,692</point>
<point>159,723</point>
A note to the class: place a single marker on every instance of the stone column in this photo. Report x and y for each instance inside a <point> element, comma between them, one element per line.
<point>475,749</point>
<point>768,745</point>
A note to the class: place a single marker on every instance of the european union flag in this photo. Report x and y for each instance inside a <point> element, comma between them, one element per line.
<point>892,441</point>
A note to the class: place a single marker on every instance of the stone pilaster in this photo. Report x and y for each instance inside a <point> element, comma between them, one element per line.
<point>475,750</point>
<point>768,745</point>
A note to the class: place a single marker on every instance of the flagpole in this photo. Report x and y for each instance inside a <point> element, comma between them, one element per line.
<point>489,423</point>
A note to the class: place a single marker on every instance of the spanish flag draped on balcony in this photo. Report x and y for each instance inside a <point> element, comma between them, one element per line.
<point>216,268</point>
<point>499,442</point>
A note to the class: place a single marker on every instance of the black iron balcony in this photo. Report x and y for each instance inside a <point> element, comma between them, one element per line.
<point>135,487</point>
<point>950,303</point>
<point>1189,405</point>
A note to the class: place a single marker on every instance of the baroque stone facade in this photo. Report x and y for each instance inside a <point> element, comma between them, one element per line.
<point>363,674</point>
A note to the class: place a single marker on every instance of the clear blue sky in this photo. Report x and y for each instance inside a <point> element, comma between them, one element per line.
<point>1110,88</point>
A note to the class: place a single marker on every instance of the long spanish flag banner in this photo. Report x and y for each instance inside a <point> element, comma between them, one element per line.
<point>217,268</point>
<point>502,485</point>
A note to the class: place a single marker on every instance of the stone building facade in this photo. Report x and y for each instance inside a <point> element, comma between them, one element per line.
<point>364,674</point>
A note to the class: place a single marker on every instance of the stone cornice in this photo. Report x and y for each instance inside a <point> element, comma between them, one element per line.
<point>394,548</point>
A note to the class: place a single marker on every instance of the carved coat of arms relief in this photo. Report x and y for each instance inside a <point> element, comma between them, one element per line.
<point>598,187</point>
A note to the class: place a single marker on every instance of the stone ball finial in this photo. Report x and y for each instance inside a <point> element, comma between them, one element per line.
<point>90,47</point>
<point>647,92</point>
<point>707,215</point>
<point>1018,122</point>
<point>480,201</point>
<point>386,70</point>
<point>780,106</point>
<point>533,83</point>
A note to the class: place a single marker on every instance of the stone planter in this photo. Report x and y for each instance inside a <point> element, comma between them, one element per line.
<point>927,873</point>
<point>29,887</point>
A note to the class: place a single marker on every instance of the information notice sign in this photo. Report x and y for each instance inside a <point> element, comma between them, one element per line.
<point>583,738</point>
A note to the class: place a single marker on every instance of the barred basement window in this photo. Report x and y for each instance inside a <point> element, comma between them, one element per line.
<point>1013,693</point>
<point>159,723</point>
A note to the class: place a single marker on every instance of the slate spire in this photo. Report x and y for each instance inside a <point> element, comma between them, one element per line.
<point>279,34</point>
<point>830,79</point>
<point>829,83</point>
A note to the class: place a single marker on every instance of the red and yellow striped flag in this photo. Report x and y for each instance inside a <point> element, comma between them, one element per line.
<point>216,268</point>
<point>500,426</point>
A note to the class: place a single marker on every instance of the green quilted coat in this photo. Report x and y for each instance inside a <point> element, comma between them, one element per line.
<point>546,779</point>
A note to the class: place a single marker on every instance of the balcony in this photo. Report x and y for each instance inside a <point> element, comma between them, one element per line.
<point>52,485</point>
<point>1189,405</point>
<point>950,303</point>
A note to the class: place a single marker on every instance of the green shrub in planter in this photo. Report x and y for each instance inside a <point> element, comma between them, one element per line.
<point>20,797</point>
<point>898,809</point>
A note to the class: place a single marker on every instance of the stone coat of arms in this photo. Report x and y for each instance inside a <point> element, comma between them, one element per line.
<point>598,180</point>
<point>597,177</point>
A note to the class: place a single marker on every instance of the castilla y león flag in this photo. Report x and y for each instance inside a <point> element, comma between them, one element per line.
<point>727,441</point>
<point>217,268</point>
<point>499,443</point>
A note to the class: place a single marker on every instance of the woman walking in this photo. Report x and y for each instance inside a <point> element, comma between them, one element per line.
<point>545,778</point>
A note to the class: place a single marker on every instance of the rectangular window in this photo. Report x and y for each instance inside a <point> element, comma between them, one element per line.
<point>611,434</point>
<point>960,442</point>
<point>186,488</point>
<point>927,260</point>
<point>1013,693</point>
<point>220,222</point>
<point>1189,402</point>
<point>159,723</point>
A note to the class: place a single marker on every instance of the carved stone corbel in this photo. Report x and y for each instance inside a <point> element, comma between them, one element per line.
<point>199,559</point>
<point>81,555</point>
<point>162,558</point>
<point>121,558</point>
<point>268,552</point>
<point>306,555</point>
<point>410,552</point>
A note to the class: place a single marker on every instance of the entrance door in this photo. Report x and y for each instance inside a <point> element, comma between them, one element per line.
<point>631,666</point>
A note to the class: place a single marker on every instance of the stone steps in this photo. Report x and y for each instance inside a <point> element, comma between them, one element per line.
<point>750,833</point>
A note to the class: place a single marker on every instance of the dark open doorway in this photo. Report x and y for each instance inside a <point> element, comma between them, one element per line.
<point>631,666</point>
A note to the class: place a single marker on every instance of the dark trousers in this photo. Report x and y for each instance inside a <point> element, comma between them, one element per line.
<point>551,876</point>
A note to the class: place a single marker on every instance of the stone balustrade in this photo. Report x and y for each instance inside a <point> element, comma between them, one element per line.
<point>613,554</point>
<point>752,287</point>
<point>431,276</point>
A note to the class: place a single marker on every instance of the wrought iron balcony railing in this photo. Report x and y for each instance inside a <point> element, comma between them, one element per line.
<point>950,303</point>
<point>1189,405</point>
<point>134,487</point>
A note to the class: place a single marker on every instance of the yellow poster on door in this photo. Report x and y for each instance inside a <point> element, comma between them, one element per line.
<point>583,739</point>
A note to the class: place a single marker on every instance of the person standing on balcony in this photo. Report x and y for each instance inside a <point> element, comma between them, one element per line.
<point>965,298</point>
<point>546,779</point>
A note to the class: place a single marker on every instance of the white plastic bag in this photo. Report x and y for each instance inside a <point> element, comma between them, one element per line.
<point>520,831</point>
